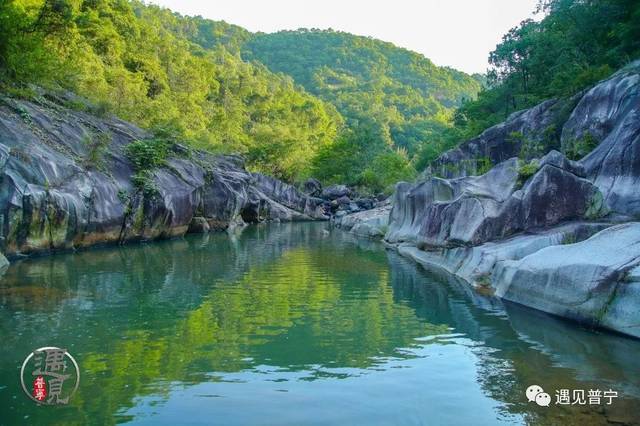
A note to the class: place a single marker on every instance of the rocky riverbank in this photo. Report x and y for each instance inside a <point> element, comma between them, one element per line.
<point>66,182</point>
<point>537,228</point>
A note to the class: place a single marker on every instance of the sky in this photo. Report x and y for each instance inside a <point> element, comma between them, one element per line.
<point>456,33</point>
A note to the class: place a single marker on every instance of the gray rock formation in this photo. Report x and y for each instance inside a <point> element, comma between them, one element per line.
<point>529,233</point>
<point>334,192</point>
<point>594,281</point>
<point>368,223</point>
<point>610,112</point>
<point>66,182</point>
<point>501,142</point>
<point>476,264</point>
<point>472,210</point>
<point>312,187</point>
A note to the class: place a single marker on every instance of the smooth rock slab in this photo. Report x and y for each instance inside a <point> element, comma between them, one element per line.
<point>475,264</point>
<point>470,211</point>
<point>57,193</point>
<point>591,281</point>
<point>369,223</point>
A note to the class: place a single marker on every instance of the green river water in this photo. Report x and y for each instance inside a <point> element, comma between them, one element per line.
<point>294,324</point>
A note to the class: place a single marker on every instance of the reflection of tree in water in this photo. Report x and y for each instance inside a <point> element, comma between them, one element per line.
<point>141,318</point>
<point>144,316</point>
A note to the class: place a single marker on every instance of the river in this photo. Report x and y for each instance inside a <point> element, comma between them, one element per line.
<point>294,324</point>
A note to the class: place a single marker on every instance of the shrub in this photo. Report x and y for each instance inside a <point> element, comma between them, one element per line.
<point>98,145</point>
<point>146,155</point>
<point>525,171</point>
<point>386,170</point>
<point>579,148</point>
<point>483,165</point>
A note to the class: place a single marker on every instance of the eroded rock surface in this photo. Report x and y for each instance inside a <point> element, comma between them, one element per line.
<point>592,281</point>
<point>556,235</point>
<point>610,112</point>
<point>501,142</point>
<point>472,210</point>
<point>368,223</point>
<point>66,182</point>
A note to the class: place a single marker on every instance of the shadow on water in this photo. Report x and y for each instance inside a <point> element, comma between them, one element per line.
<point>216,325</point>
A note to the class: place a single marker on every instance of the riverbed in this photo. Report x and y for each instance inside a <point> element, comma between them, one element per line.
<point>294,324</point>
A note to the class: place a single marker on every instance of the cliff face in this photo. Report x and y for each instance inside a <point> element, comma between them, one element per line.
<point>554,234</point>
<point>66,182</point>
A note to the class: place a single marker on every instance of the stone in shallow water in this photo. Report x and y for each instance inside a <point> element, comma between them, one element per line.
<point>334,192</point>
<point>369,223</point>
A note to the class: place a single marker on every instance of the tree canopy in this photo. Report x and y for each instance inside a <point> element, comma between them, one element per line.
<point>394,101</point>
<point>576,44</point>
<point>344,108</point>
<point>138,62</point>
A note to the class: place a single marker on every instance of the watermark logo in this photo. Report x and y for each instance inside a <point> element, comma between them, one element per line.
<point>536,394</point>
<point>47,376</point>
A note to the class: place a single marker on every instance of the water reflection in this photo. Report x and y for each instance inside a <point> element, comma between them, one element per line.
<point>217,325</point>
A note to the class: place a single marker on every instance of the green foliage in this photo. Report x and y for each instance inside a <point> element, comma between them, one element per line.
<point>580,147</point>
<point>441,142</point>
<point>529,148</point>
<point>123,195</point>
<point>159,69</point>
<point>337,162</point>
<point>526,170</point>
<point>147,155</point>
<point>97,145</point>
<point>389,97</point>
<point>386,170</point>
<point>576,44</point>
<point>483,165</point>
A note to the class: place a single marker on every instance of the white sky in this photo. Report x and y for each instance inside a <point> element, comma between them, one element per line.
<point>458,33</point>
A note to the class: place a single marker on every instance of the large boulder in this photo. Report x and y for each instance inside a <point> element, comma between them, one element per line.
<point>312,187</point>
<point>527,232</point>
<point>610,113</point>
<point>66,182</point>
<point>476,264</point>
<point>298,205</point>
<point>594,281</point>
<point>472,210</point>
<point>368,223</point>
<point>334,192</point>
<point>502,141</point>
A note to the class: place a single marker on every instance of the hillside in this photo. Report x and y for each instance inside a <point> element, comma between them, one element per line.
<point>136,62</point>
<point>574,45</point>
<point>391,98</point>
<point>333,105</point>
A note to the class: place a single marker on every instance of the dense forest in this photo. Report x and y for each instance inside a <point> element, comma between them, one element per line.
<point>302,103</point>
<point>576,44</point>
<point>134,61</point>
<point>393,100</point>
<point>359,121</point>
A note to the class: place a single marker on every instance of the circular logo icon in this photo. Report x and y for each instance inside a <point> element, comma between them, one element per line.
<point>50,376</point>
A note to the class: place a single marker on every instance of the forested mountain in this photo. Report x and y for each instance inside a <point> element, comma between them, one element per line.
<point>394,101</point>
<point>204,82</point>
<point>136,61</point>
